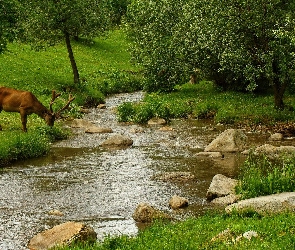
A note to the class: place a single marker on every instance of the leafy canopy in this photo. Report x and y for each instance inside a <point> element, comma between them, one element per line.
<point>8,19</point>
<point>238,44</point>
<point>45,22</point>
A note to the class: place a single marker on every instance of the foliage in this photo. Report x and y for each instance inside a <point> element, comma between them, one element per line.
<point>8,19</point>
<point>118,10</point>
<point>47,23</point>
<point>260,176</point>
<point>150,26</point>
<point>240,45</point>
<point>105,60</point>
<point>41,72</point>
<point>16,145</point>
<point>274,232</point>
<point>204,101</point>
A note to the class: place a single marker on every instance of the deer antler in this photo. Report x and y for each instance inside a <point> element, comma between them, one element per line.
<point>71,98</point>
<point>54,96</point>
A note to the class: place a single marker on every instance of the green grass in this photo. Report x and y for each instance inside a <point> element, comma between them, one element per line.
<point>274,232</point>
<point>204,100</point>
<point>104,67</point>
<point>261,176</point>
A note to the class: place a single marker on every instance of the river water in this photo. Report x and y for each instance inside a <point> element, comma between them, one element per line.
<point>102,187</point>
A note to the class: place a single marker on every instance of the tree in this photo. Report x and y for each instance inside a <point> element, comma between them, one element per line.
<point>52,21</point>
<point>246,44</point>
<point>8,19</point>
<point>240,45</point>
<point>150,25</point>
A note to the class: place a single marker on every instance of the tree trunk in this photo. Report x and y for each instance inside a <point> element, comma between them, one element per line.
<point>279,90</point>
<point>72,59</point>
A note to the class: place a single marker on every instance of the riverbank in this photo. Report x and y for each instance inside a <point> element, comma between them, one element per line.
<point>211,231</point>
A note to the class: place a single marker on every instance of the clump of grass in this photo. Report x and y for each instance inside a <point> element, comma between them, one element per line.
<point>16,145</point>
<point>261,176</point>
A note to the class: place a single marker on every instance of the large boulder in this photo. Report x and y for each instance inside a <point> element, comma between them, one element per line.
<point>274,151</point>
<point>266,204</point>
<point>231,140</point>
<point>221,186</point>
<point>62,235</point>
<point>117,141</point>
<point>146,213</point>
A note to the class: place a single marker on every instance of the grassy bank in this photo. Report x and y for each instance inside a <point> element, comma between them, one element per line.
<point>204,100</point>
<point>104,66</point>
<point>273,232</point>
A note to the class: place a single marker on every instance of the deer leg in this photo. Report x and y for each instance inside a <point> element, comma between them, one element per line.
<point>24,120</point>
<point>0,124</point>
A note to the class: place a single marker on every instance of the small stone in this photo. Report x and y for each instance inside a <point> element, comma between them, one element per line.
<point>210,154</point>
<point>166,128</point>
<point>98,130</point>
<point>157,121</point>
<point>276,137</point>
<point>178,202</point>
<point>55,213</point>
<point>101,106</point>
<point>117,141</point>
<point>85,111</point>
<point>249,234</point>
<point>146,213</point>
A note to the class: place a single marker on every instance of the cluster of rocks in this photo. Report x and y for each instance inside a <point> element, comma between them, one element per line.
<point>222,188</point>
<point>147,213</point>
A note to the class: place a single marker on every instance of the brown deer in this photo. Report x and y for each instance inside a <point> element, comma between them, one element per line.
<point>25,103</point>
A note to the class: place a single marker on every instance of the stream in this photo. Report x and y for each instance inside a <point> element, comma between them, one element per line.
<point>102,187</point>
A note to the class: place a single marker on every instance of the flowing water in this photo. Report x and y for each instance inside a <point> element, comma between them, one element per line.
<point>102,187</point>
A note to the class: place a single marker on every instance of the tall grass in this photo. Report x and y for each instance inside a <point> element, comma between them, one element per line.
<point>261,176</point>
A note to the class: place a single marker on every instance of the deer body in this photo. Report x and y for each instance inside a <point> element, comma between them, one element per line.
<point>25,103</point>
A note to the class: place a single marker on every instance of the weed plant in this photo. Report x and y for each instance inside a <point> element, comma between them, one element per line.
<point>261,176</point>
<point>204,100</point>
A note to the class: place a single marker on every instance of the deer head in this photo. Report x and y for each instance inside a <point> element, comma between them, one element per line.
<point>51,116</point>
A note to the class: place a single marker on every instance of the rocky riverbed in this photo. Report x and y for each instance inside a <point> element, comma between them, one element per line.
<point>102,186</point>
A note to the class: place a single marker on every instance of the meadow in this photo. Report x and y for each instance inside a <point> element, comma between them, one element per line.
<point>104,66</point>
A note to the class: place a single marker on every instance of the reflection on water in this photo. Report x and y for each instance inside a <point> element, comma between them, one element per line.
<point>103,187</point>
